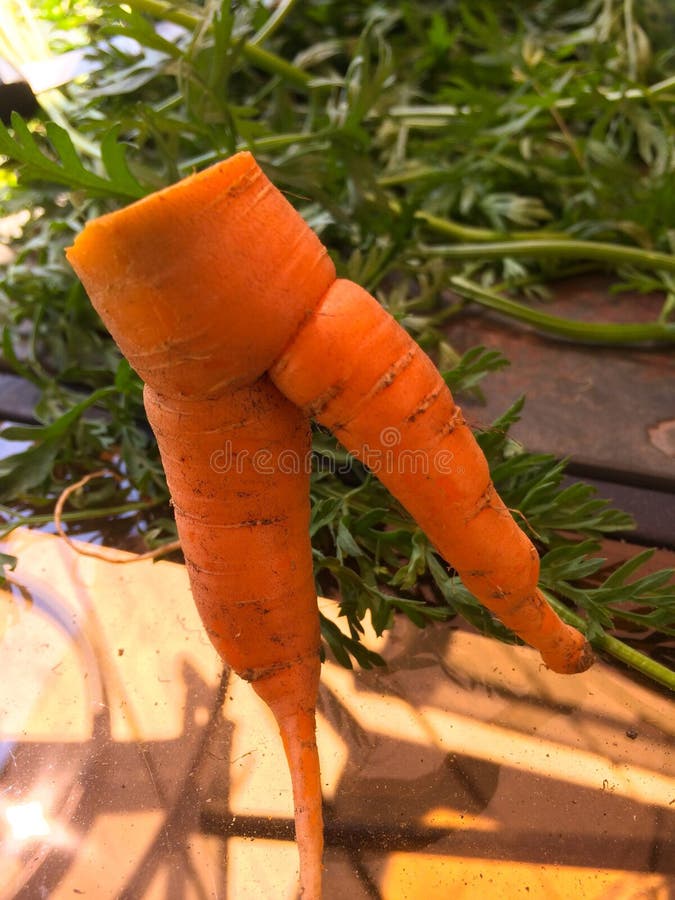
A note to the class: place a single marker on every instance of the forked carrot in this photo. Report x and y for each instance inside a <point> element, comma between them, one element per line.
<point>227,305</point>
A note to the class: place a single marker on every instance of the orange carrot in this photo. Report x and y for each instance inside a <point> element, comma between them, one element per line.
<point>204,283</point>
<point>156,273</point>
<point>224,301</point>
<point>245,536</point>
<point>388,405</point>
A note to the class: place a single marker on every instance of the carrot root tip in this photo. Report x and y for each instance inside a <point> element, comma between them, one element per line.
<point>586,658</point>
<point>573,662</point>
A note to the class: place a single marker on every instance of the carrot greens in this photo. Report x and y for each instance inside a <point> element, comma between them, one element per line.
<point>485,148</point>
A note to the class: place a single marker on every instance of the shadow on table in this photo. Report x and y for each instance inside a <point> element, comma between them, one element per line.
<point>461,753</point>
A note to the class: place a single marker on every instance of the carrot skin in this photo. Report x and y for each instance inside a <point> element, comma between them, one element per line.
<point>200,298</point>
<point>292,699</point>
<point>388,405</point>
<point>245,536</point>
<point>184,278</point>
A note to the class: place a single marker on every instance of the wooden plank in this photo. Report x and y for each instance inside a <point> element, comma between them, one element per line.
<point>610,410</point>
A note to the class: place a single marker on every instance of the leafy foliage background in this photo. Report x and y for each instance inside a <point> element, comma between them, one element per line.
<point>488,147</point>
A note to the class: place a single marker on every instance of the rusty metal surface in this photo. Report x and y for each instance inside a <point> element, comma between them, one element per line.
<point>610,411</point>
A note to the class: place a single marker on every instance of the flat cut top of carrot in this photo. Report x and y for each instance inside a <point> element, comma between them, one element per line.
<point>218,260</point>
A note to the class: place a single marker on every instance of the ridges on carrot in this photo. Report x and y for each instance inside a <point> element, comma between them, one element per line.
<point>245,536</point>
<point>388,405</point>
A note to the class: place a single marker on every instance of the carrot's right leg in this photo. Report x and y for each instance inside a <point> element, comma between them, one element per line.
<point>354,369</point>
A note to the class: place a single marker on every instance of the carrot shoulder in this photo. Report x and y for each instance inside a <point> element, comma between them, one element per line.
<point>203,284</point>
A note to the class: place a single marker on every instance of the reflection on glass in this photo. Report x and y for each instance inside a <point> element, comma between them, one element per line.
<point>27,820</point>
<point>50,689</point>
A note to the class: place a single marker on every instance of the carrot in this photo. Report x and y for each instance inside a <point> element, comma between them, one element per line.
<point>227,305</point>
<point>387,404</point>
<point>155,272</point>
<point>245,535</point>
<point>204,283</point>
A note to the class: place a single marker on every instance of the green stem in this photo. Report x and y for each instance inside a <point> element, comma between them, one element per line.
<point>410,175</point>
<point>276,65</point>
<point>661,87</point>
<point>161,10</point>
<point>74,516</point>
<point>269,144</point>
<point>469,233</point>
<point>589,332</point>
<point>616,648</point>
<point>534,278</point>
<point>275,20</point>
<point>257,56</point>
<point>558,248</point>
